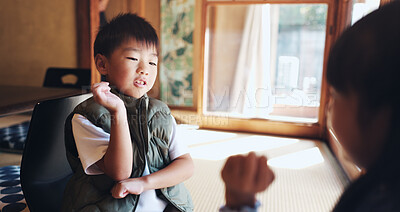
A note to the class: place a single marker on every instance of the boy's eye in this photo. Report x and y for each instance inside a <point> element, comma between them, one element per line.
<point>132,58</point>
<point>153,64</point>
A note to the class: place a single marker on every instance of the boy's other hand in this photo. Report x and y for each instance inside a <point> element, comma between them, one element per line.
<point>128,186</point>
<point>244,176</point>
<point>103,96</point>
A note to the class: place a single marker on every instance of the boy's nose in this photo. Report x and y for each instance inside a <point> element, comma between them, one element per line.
<point>141,70</point>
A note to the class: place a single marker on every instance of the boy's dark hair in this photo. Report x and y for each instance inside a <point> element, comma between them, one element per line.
<point>122,28</point>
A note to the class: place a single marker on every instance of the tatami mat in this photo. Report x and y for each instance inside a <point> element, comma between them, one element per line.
<point>307,178</point>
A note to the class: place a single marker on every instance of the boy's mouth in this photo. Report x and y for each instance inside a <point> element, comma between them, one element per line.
<point>140,82</point>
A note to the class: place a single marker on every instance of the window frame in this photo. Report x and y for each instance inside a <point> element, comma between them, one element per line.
<point>257,125</point>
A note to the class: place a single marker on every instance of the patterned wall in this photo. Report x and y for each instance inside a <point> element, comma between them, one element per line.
<point>176,67</point>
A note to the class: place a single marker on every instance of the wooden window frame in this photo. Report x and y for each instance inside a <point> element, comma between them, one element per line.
<point>256,125</point>
<point>338,18</point>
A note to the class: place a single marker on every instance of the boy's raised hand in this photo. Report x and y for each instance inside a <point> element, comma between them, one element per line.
<point>118,158</point>
<point>244,176</point>
<point>103,96</point>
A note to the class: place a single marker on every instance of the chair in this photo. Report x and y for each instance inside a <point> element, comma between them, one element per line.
<point>54,78</point>
<point>44,166</point>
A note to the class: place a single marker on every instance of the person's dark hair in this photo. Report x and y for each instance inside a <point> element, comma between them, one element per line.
<point>365,60</point>
<point>122,28</point>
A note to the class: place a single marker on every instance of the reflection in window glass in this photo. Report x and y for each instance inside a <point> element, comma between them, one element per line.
<point>265,61</point>
<point>362,7</point>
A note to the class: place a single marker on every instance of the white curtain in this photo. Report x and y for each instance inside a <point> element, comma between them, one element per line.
<point>251,88</point>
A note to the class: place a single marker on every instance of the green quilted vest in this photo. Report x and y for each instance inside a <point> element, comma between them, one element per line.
<point>150,125</point>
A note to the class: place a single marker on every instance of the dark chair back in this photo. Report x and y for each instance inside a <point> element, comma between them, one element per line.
<point>54,77</point>
<point>44,167</point>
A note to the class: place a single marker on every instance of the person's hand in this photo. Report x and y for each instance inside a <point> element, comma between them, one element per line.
<point>103,96</point>
<point>244,176</point>
<point>128,186</point>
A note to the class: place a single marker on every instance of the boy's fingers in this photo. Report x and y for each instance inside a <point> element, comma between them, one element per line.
<point>104,88</point>
<point>119,191</point>
<point>114,192</point>
<point>99,84</point>
<point>100,88</point>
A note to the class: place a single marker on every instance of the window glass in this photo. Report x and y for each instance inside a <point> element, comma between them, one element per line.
<point>264,61</point>
<point>362,7</point>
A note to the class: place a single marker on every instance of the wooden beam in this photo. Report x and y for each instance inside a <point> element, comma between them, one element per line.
<point>94,27</point>
<point>138,7</point>
<point>88,21</point>
<point>83,33</point>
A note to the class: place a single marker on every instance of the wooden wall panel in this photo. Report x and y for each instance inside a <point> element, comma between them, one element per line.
<point>35,35</point>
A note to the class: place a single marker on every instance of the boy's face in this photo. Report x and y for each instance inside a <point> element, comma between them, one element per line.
<point>132,68</point>
<point>363,144</point>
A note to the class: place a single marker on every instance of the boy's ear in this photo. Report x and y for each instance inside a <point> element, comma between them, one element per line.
<point>101,64</point>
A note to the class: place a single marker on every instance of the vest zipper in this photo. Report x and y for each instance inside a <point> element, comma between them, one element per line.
<point>143,141</point>
<point>146,150</point>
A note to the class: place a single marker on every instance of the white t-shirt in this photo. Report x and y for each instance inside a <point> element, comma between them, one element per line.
<point>92,143</point>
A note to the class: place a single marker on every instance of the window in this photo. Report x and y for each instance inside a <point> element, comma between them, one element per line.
<point>264,61</point>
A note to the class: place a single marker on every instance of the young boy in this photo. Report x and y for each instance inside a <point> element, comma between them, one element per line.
<point>364,113</point>
<point>129,157</point>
